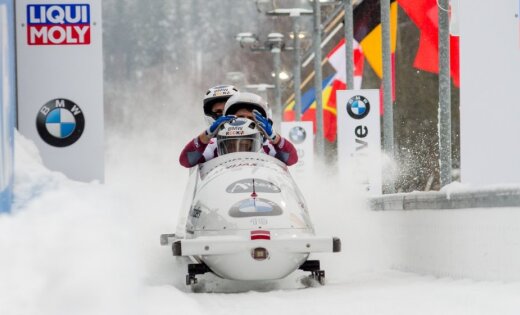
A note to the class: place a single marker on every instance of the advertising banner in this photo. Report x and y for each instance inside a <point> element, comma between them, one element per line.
<point>489,98</point>
<point>60,84</point>
<point>301,136</point>
<point>7,104</point>
<point>359,138</point>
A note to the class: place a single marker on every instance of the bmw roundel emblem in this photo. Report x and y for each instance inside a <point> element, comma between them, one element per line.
<point>60,122</point>
<point>358,107</point>
<point>297,135</point>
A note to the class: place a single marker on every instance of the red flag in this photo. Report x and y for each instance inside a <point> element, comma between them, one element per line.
<point>329,114</point>
<point>424,14</point>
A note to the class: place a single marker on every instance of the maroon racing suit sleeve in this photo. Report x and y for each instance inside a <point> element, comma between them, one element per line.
<point>193,153</point>
<point>285,152</point>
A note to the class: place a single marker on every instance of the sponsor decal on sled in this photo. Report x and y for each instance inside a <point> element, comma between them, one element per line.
<point>252,184</point>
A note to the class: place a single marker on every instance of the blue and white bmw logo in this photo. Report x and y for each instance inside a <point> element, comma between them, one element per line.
<point>297,135</point>
<point>358,107</point>
<point>60,122</point>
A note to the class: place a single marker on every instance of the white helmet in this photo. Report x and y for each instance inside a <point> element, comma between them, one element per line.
<point>239,135</point>
<point>219,93</point>
<point>249,101</point>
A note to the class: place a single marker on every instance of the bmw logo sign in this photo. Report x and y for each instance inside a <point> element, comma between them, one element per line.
<point>358,107</point>
<point>297,135</point>
<point>60,122</point>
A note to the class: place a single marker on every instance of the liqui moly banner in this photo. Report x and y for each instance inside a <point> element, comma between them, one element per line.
<point>301,136</point>
<point>359,138</point>
<point>58,24</point>
<point>60,83</point>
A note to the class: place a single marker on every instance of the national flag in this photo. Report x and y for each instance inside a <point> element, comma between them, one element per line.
<point>337,59</point>
<point>368,32</point>
<point>260,235</point>
<point>424,14</point>
<point>308,106</point>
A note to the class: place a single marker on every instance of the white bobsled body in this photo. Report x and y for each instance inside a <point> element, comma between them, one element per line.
<point>245,219</point>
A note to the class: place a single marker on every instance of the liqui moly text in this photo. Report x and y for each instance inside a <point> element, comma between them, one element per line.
<point>58,24</point>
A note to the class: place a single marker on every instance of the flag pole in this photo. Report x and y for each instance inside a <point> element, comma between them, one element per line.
<point>320,145</point>
<point>297,67</point>
<point>349,37</point>
<point>444,94</point>
<point>388,116</point>
<point>276,51</point>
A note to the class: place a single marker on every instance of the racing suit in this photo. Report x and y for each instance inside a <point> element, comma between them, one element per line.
<point>196,152</point>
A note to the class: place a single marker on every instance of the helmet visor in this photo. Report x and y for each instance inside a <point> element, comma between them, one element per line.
<point>239,144</point>
<point>215,114</point>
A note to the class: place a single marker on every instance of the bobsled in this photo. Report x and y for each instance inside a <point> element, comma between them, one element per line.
<point>244,218</point>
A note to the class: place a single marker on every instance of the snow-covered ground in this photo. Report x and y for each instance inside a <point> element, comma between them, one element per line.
<point>76,248</point>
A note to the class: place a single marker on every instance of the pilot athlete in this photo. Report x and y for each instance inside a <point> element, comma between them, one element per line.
<point>214,101</point>
<point>241,105</point>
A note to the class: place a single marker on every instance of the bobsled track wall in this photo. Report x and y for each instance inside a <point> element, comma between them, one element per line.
<point>461,235</point>
<point>7,104</point>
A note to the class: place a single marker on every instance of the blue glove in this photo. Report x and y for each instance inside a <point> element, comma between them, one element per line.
<point>265,126</point>
<point>211,132</point>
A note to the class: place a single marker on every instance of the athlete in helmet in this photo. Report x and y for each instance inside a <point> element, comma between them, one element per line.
<point>254,107</point>
<point>239,135</point>
<point>213,105</point>
<point>214,101</point>
<point>243,105</point>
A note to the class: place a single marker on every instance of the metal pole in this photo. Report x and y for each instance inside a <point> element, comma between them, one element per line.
<point>349,37</point>
<point>444,94</point>
<point>277,86</point>
<point>297,68</point>
<point>318,78</point>
<point>388,117</point>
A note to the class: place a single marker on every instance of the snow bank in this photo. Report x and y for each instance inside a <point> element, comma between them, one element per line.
<point>75,248</point>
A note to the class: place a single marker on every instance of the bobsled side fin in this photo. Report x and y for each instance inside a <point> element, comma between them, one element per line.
<point>336,245</point>
<point>166,239</point>
<point>177,248</point>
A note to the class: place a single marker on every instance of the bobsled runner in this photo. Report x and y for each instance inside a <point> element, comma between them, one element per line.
<point>244,218</point>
